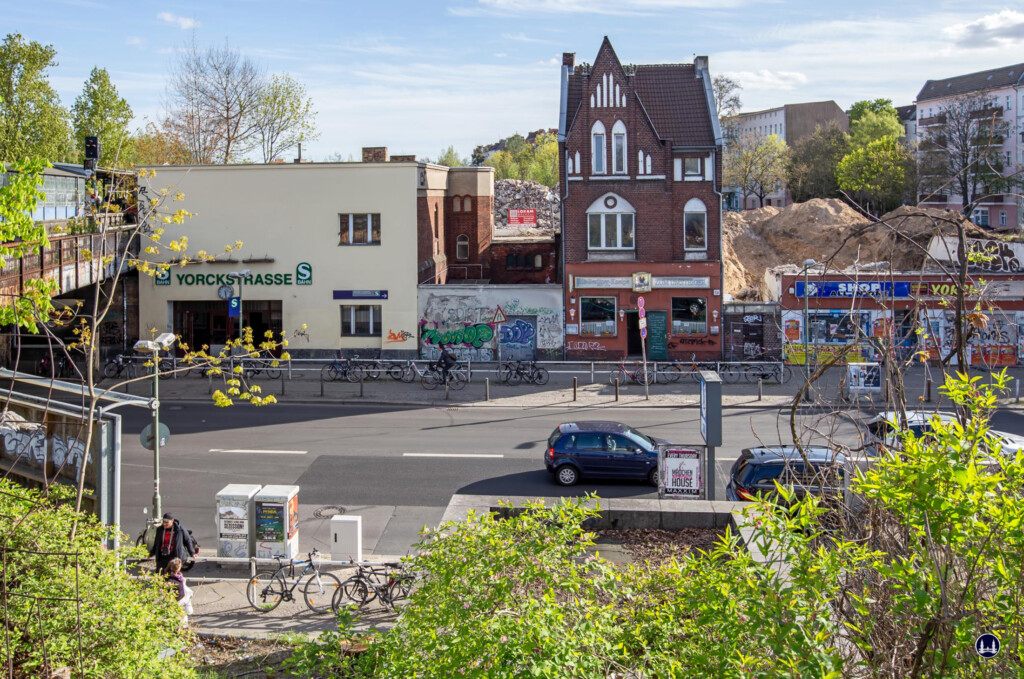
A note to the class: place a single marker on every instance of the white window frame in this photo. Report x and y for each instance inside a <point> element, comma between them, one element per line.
<point>617,216</point>
<point>695,206</point>
<point>375,323</point>
<point>686,170</point>
<point>598,142</point>
<point>1002,218</point>
<point>978,213</point>
<point>462,243</point>
<point>618,206</point>
<point>620,161</point>
<point>351,229</point>
<point>456,204</point>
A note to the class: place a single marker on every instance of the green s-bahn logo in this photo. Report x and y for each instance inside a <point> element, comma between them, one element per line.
<point>304,274</point>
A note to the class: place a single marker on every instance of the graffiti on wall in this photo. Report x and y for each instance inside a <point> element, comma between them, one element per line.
<point>475,335</point>
<point>398,336</point>
<point>517,332</point>
<point>579,345</point>
<point>28,442</point>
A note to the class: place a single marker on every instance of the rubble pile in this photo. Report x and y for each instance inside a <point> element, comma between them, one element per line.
<point>826,229</point>
<point>516,194</point>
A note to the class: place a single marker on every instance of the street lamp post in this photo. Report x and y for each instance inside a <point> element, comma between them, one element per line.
<point>154,347</point>
<point>808,263</point>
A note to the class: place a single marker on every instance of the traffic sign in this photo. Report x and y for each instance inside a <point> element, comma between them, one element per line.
<point>146,436</point>
<point>499,316</point>
<point>234,307</point>
<point>640,302</point>
<point>643,333</point>
<point>643,322</point>
<point>642,312</point>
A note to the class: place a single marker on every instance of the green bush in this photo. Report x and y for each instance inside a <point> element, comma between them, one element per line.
<point>126,623</point>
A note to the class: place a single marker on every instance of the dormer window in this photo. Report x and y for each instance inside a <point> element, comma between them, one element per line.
<point>619,148</point>
<point>597,149</point>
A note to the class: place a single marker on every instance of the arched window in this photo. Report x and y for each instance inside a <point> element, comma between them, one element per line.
<point>510,261</point>
<point>456,204</point>
<point>611,224</point>
<point>619,165</point>
<point>538,262</point>
<point>467,204</point>
<point>462,248</point>
<point>639,162</point>
<point>597,149</point>
<point>695,226</point>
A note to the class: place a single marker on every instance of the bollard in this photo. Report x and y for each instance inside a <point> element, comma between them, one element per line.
<point>591,372</point>
<point>487,388</point>
<point>282,385</point>
<point>1016,388</point>
<point>928,389</point>
<point>760,388</point>
<point>446,391</point>
<point>616,388</point>
<point>575,383</point>
<point>321,385</point>
<point>361,388</point>
<point>209,379</point>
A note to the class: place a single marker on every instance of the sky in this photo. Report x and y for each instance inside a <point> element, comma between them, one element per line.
<point>420,76</point>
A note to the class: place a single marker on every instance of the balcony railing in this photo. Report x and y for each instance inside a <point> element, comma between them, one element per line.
<point>65,261</point>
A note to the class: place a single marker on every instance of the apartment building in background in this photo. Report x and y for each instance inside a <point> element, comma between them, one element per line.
<point>791,123</point>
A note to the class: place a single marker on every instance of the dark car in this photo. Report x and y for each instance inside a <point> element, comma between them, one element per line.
<point>757,469</point>
<point>601,450</point>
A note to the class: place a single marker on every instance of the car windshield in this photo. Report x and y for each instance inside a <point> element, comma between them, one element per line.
<point>553,439</point>
<point>642,438</point>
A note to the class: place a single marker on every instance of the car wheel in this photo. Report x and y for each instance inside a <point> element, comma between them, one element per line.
<point>652,477</point>
<point>567,476</point>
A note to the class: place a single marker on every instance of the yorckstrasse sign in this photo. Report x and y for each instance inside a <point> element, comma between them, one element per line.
<point>303,276</point>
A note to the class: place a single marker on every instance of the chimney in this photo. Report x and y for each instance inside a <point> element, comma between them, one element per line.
<point>700,63</point>
<point>299,159</point>
<point>375,154</point>
<point>568,59</point>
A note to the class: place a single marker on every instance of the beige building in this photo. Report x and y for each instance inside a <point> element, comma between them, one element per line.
<point>337,247</point>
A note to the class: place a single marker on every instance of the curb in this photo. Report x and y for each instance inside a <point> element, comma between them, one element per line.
<point>493,404</point>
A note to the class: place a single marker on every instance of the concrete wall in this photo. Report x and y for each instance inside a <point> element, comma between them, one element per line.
<point>290,214</point>
<point>462,316</point>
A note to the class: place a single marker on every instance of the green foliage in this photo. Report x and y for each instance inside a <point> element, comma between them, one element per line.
<point>100,111</point>
<point>32,121</point>
<point>813,161</point>
<point>931,558</point>
<point>874,126</point>
<point>877,106</point>
<point>756,165</point>
<point>21,235</point>
<point>880,173</point>
<point>125,622</point>
<point>536,162</point>
<point>450,157</point>
<point>284,117</point>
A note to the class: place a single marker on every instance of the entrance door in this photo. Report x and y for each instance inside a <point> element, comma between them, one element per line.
<point>657,335</point>
<point>633,334</point>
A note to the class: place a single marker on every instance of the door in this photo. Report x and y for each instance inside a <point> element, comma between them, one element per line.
<point>633,334</point>
<point>657,335</point>
<point>591,455</point>
<point>518,338</point>
<point>624,460</point>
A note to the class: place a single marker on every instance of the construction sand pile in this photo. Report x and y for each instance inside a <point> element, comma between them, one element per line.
<point>825,230</point>
<point>517,194</point>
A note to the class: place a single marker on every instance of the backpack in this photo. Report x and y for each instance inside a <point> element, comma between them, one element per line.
<point>192,543</point>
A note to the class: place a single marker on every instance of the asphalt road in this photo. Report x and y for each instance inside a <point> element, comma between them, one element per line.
<point>365,456</point>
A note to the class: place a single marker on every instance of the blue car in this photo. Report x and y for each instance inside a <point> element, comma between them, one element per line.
<point>601,450</point>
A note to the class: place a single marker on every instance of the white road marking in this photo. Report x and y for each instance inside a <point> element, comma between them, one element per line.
<point>247,450</point>
<point>448,455</point>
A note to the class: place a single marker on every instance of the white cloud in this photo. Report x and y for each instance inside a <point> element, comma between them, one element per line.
<point>522,37</point>
<point>501,55</point>
<point>608,7</point>
<point>1002,29</point>
<point>765,79</point>
<point>135,41</point>
<point>184,23</point>
<point>373,45</point>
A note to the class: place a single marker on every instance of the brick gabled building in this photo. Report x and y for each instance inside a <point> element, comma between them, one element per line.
<point>640,167</point>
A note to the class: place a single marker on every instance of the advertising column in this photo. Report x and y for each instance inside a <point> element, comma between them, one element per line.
<point>234,520</point>
<point>277,522</point>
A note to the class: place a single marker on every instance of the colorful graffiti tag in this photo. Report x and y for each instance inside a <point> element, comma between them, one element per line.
<point>398,336</point>
<point>517,332</point>
<point>475,335</point>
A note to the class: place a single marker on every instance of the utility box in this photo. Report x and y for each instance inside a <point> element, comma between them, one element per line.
<point>347,538</point>
<point>276,521</point>
<point>235,535</point>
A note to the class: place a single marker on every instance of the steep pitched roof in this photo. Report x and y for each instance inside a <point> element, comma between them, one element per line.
<point>1006,76</point>
<point>906,112</point>
<point>674,98</point>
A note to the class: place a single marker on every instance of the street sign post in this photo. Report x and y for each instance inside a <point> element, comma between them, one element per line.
<point>499,318</point>
<point>643,346</point>
<point>234,307</point>
<point>710,420</point>
<point>146,436</point>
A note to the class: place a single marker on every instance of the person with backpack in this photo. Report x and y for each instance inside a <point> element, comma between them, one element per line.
<point>445,362</point>
<point>172,542</point>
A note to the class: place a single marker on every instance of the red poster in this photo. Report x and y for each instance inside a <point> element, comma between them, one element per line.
<point>524,217</point>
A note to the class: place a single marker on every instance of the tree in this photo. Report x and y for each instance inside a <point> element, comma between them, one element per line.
<point>543,167</point>
<point>961,152</point>
<point>756,165</point>
<point>100,111</point>
<point>160,146</point>
<point>535,161</point>
<point>879,174</point>
<point>872,126</point>
<point>450,157</point>
<point>479,156</point>
<point>284,117</point>
<point>727,103</point>
<point>876,106</point>
<point>813,160</point>
<point>32,121</point>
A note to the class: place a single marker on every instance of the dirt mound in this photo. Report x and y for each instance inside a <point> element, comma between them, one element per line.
<point>519,194</point>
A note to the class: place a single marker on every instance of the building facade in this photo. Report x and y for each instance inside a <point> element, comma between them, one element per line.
<point>338,247</point>
<point>640,168</point>
<point>791,123</point>
<point>1002,90</point>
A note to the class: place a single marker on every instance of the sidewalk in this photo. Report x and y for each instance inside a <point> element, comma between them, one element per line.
<point>484,391</point>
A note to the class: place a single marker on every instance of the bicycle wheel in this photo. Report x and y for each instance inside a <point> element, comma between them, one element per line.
<point>265,591</point>
<point>372,370</point>
<point>505,371</point>
<point>458,379</point>
<point>431,379</point>
<point>272,372</point>
<point>409,373</point>
<point>644,375</point>
<point>787,373</point>
<point>730,373</point>
<point>756,372</point>
<point>514,378</point>
<point>396,372</point>
<point>320,590</point>
<point>669,373</point>
<point>355,373</point>
<point>540,376</point>
<point>111,369</point>
<point>618,374</point>
<point>353,591</point>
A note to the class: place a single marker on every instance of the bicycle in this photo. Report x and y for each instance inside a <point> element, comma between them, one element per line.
<point>120,364</point>
<point>622,374</point>
<point>267,590</point>
<point>407,372</point>
<point>769,372</point>
<point>673,372</point>
<point>342,368</point>
<point>457,377</point>
<point>253,367</point>
<point>388,583</point>
<point>371,369</point>
<point>529,372</point>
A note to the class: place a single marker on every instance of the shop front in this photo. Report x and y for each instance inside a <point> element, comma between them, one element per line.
<point>671,316</point>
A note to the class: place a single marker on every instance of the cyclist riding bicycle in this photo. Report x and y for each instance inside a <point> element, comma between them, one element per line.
<point>445,362</point>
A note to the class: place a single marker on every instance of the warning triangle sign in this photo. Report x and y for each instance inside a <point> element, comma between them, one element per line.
<point>499,316</point>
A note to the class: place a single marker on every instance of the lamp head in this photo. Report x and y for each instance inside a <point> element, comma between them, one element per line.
<point>165,340</point>
<point>808,263</point>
